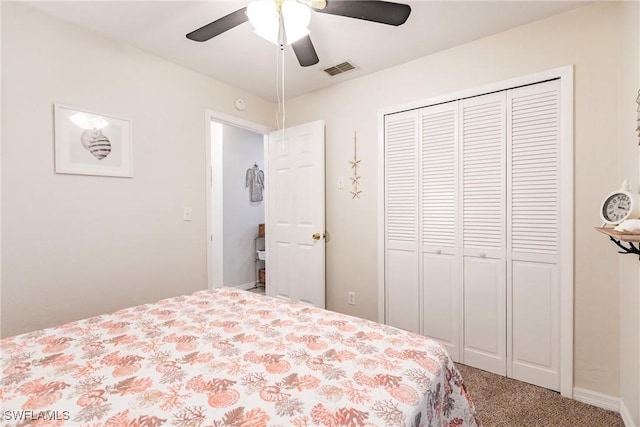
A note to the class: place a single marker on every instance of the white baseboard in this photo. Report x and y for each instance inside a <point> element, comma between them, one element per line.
<point>246,286</point>
<point>594,398</point>
<point>626,416</point>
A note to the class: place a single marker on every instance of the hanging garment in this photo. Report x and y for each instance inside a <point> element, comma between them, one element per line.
<point>255,181</point>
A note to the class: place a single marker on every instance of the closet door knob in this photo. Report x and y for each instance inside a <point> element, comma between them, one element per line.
<point>438,251</point>
<point>483,255</point>
<point>316,236</point>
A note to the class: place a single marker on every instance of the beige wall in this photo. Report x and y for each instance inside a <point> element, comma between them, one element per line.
<point>76,246</point>
<point>589,37</point>
<point>630,169</point>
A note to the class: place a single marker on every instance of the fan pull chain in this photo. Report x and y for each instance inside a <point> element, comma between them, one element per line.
<point>280,76</point>
<point>284,109</point>
<point>278,51</point>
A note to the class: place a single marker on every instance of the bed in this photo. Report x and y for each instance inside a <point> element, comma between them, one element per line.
<point>227,357</point>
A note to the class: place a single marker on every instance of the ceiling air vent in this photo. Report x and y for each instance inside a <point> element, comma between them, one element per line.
<point>339,69</point>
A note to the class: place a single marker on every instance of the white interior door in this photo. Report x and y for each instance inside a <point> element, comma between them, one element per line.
<point>295,214</point>
<point>440,252</point>
<point>483,150</point>
<point>402,288</point>
<point>533,340</point>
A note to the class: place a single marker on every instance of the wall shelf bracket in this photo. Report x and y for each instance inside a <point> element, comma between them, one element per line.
<point>632,249</point>
<point>632,241</point>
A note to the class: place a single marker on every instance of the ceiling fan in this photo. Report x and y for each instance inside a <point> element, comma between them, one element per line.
<point>286,21</point>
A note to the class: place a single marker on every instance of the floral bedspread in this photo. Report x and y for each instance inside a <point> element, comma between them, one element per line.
<point>228,357</point>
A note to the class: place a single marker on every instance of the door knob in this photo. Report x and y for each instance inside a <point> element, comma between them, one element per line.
<point>316,236</point>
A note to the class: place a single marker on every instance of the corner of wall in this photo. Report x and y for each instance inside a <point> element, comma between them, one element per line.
<point>629,166</point>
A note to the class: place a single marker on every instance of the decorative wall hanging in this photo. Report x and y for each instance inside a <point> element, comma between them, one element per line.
<point>254,179</point>
<point>638,122</point>
<point>88,143</point>
<point>355,164</point>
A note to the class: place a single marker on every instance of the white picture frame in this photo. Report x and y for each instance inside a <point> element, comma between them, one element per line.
<point>90,143</point>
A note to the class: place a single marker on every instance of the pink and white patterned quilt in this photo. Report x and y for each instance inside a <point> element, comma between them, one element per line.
<point>228,357</point>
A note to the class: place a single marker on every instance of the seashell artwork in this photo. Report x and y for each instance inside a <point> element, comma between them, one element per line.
<point>89,143</point>
<point>97,144</point>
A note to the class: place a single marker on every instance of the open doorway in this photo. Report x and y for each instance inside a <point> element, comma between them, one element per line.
<point>236,203</point>
<point>294,208</point>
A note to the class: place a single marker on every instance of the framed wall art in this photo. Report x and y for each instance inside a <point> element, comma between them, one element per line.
<point>89,143</point>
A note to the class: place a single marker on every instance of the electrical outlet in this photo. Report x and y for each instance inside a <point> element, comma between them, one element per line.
<point>351,298</point>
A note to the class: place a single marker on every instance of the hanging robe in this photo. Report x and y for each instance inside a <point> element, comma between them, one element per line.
<point>255,181</point>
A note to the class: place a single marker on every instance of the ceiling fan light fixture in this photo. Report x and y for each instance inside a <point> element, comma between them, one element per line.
<point>296,17</point>
<point>264,16</point>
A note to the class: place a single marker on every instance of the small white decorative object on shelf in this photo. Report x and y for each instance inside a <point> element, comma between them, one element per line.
<point>630,226</point>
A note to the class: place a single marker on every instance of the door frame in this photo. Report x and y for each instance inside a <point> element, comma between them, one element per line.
<point>214,191</point>
<point>566,260</point>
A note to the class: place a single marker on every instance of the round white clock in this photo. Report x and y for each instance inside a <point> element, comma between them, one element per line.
<point>619,205</point>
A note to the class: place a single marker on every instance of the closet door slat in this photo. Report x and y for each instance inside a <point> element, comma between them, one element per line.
<point>534,158</point>
<point>401,135</point>
<point>483,149</point>
<point>439,163</point>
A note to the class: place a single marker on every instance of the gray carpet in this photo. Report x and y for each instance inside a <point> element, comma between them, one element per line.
<point>506,402</point>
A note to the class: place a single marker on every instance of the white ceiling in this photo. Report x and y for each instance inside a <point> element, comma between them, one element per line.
<point>242,59</point>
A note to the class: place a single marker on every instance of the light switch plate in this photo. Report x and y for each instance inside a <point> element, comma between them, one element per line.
<point>340,182</point>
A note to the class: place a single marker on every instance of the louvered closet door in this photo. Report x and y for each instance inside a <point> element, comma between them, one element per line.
<point>483,127</point>
<point>533,214</point>
<point>401,221</point>
<point>440,260</point>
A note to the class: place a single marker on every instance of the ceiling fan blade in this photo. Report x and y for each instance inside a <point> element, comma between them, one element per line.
<point>315,4</point>
<point>219,26</point>
<point>305,52</point>
<point>383,12</point>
